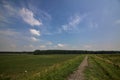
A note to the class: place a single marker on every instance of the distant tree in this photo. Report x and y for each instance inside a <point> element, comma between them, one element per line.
<point>36,52</point>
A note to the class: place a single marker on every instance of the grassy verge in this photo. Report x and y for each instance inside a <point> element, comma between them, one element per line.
<point>101,70</point>
<point>21,67</point>
<point>114,58</point>
<point>60,71</point>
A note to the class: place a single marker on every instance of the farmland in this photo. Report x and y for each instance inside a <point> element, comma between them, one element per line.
<point>24,67</point>
<point>103,67</point>
<point>58,66</point>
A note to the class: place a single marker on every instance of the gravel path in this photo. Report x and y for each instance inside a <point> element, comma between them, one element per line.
<point>79,75</point>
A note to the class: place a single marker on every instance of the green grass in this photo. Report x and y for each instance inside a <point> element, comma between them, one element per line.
<point>60,71</point>
<point>58,67</point>
<point>101,69</point>
<point>13,67</point>
<point>113,58</point>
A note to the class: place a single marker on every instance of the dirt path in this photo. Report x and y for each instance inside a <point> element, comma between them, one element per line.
<point>78,75</point>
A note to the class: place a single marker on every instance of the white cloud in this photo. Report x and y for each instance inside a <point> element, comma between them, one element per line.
<point>31,46</point>
<point>44,15</point>
<point>35,32</point>
<point>10,9</point>
<point>8,32</point>
<point>87,46</point>
<point>60,45</point>
<point>7,12</point>
<point>93,25</point>
<point>49,43</point>
<point>75,21</point>
<point>34,39</point>
<point>28,17</point>
<point>72,24</point>
<point>42,46</point>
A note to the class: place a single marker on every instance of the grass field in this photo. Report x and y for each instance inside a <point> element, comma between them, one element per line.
<point>58,67</point>
<point>37,67</point>
<point>103,67</point>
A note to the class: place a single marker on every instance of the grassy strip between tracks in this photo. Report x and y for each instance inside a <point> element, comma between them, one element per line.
<point>101,70</point>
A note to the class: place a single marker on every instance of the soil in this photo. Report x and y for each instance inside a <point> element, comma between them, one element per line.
<point>79,73</point>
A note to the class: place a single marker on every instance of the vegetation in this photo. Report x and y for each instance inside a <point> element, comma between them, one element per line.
<point>114,59</point>
<point>60,71</point>
<point>24,67</point>
<point>100,68</point>
<point>41,52</point>
<point>38,52</point>
<point>44,65</point>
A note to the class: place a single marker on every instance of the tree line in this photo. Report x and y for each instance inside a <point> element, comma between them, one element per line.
<point>41,52</point>
<point>37,52</point>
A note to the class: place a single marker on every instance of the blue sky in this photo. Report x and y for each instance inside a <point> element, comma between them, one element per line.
<point>27,25</point>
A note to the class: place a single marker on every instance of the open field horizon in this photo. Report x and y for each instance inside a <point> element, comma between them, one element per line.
<point>58,66</point>
<point>59,39</point>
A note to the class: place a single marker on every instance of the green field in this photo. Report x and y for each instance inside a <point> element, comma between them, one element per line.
<point>103,67</point>
<point>42,67</point>
<point>58,67</point>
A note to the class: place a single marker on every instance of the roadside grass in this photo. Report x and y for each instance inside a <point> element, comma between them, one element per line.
<point>24,67</point>
<point>101,70</point>
<point>114,58</point>
<point>60,71</point>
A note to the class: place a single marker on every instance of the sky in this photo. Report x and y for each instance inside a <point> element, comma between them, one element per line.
<point>27,25</point>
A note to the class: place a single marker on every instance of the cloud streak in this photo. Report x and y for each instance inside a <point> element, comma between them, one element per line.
<point>60,45</point>
<point>42,46</point>
<point>8,32</point>
<point>34,39</point>
<point>35,32</point>
<point>117,22</point>
<point>28,17</point>
<point>93,25</point>
<point>72,24</point>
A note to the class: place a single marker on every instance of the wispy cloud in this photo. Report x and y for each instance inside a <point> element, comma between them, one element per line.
<point>8,32</point>
<point>93,25</point>
<point>7,12</point>
<point>42,46</point>
<point>73,23</point>
<point>35,32</point>
<point>34,39</point>
<point>117,21</point>
<point>44,15</point>
<point>28,17</point>
<point>9,8</point>
<point>49,43</point>
<point>87,47</point>
<point>60,45</point>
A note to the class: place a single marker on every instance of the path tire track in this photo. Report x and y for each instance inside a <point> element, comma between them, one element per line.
<point>78,74</point>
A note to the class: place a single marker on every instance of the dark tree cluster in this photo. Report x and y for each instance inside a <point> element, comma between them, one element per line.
<point>37,52</point>
<point>41,52</point>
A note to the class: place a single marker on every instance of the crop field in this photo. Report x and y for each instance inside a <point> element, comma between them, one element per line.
<point>59,66</point>
<point>38,67</point>
<point>103,67</point>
